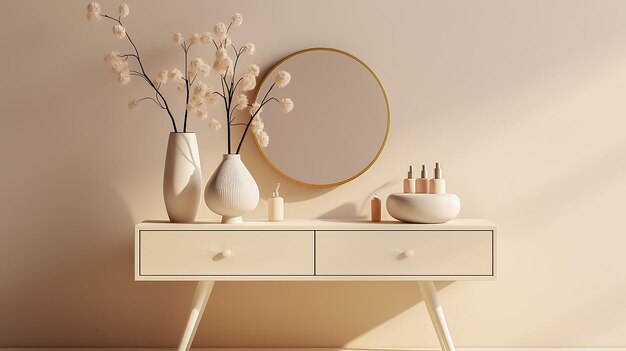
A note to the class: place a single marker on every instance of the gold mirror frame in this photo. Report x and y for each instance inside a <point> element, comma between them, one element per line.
<point>382,146</point>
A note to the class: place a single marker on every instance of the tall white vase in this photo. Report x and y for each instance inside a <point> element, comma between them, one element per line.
<point>182,179</point>
<point>231,192</point>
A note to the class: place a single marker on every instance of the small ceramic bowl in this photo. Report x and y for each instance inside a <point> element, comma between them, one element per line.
<point>423,208</point>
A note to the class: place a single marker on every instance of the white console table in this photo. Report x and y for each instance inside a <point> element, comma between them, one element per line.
<point>463,249</point>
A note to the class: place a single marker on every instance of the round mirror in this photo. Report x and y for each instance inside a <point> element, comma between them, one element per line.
<point>339,124</point>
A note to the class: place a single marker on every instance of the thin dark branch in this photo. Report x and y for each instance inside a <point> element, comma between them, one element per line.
<point>143,71</point>
<point>224,89</point>
<point>187,88</point>
<point>232,81</point>
<point>236,85</point>
<point>149,98</point>
<point>263,102</point>
<point>232,112</point>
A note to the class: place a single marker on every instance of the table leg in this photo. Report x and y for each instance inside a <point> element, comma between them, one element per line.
<point>200,298</point>
<point>429,294</point>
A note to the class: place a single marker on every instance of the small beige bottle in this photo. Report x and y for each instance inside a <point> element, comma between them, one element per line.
<point>422,185</point>
<point>276,207</point>
<point>409,182</point>
<point>438,184</point>
<point>376,205</point>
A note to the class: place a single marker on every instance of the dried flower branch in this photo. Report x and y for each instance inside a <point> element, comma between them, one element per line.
<point>231,87</point>
<point>199,95</point>
<point>122,67</point>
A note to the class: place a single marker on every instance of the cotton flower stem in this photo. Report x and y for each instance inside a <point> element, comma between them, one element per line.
<point>149,98</point>
<point>143,71</point>
<point>186,50</point>
<point>233,86</point>
<point>126,56</point>
<point>226,106</point>
<point>232,112</point>
<point>157,99</point>
<point>263,102</point>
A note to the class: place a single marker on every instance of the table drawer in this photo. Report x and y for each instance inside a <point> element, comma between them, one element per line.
<point>211,253</point>
<point>419,253</point>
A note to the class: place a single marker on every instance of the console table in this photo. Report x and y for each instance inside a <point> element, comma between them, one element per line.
<point>463,249</point>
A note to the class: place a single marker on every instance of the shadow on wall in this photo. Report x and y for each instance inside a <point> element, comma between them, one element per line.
<point>78,287</point>
<point>286,314</point>
<point>297,193</point>
<point>267,183</point>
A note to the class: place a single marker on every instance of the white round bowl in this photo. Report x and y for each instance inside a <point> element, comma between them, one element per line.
<point>423,208</point>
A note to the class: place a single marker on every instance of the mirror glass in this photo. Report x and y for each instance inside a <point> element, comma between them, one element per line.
<point>339,124</point>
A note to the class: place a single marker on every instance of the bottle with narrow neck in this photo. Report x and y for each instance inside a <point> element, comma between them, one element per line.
<point>276,206</point>
<point>422,185</point>
<point>438,184</point>
<point>409,183</point>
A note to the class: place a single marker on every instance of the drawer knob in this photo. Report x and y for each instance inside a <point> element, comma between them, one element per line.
<point>409,253</point>
<point>226,253</point>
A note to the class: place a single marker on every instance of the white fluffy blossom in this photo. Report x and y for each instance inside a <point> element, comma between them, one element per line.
<point>162,77</point>
<point>249,48</point>
<point>220,30</point>
<point>178,38</point>
<point>93,12</point>
<point>133,104</point>
<point>236,20</point>
<point>123,78</point>
<point>248,82</point>
<point>254,108</point>
<point>118,31</point>
<point>195,39</point>
<point>253,69</point>
<point>210,97</point>
<point>200,89</point>
<point>123,10</point>
<point>221,53</point>
<point>198,66</point>
<point>282,79</point>
<point>241,101</point>
<point>206,38</point>
<point>214,124</point>
<point>263,138</point>
<point>258,129</point>
<point>112,56</point>
<point>202,96</point>
<point>118,66</point>
<point>174,74</point>
<point>256,126</point>
<point>201,112</point>
<point>286,105</point>
<point>222,61</point>
<point>226,39</point>
<point>182,86</point>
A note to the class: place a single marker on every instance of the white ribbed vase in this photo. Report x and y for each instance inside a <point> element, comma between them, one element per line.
<point>231,192</point>
<point>182,178</point>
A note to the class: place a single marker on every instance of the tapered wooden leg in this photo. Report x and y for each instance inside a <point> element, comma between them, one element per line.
<point>200,298</point>
<point>429,294</point>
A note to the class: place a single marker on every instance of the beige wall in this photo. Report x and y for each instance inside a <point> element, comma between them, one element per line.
<point>522,102</point>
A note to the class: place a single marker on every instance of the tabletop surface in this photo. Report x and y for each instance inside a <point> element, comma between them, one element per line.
<point>318,224</point>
